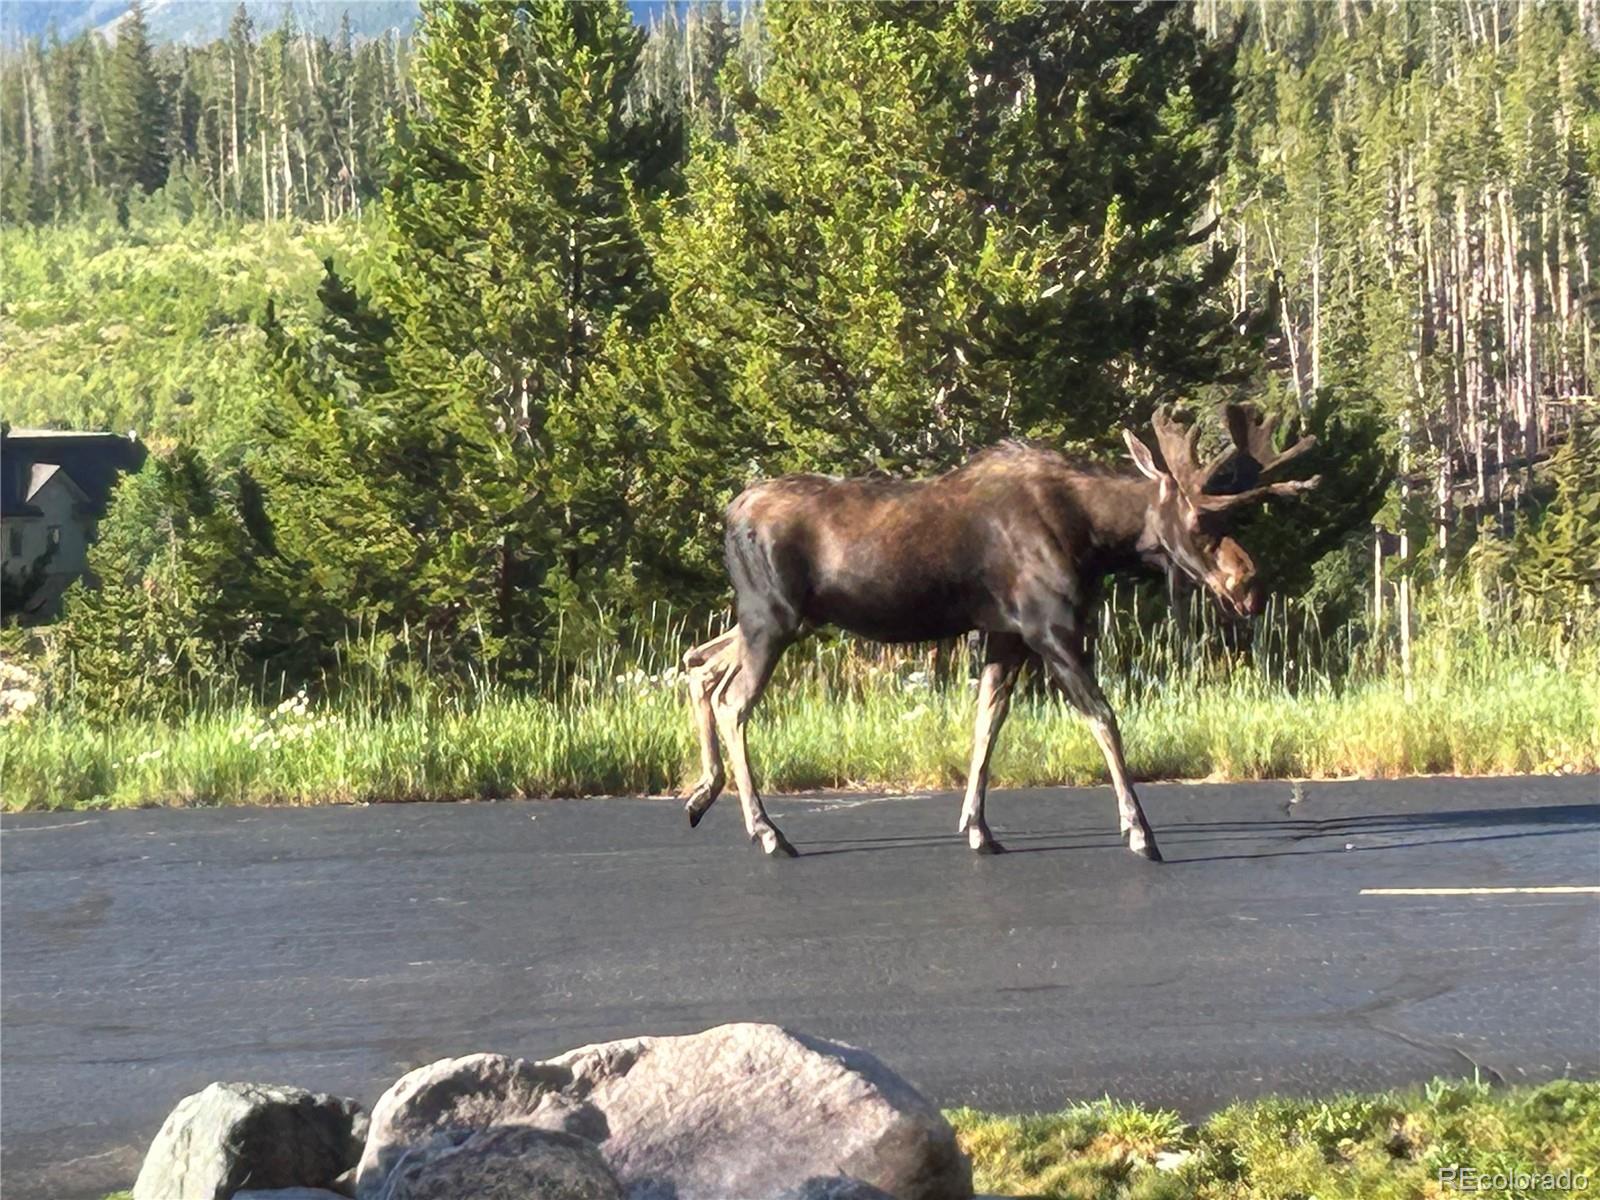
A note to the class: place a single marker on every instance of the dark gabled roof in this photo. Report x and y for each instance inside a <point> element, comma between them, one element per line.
<point>93,461</point>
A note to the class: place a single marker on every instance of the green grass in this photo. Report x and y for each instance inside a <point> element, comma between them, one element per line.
<point>837,717</point>
<point>1390,1146</point>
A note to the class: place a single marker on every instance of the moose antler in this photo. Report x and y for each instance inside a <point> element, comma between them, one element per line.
<point>1252,436</point>
<point>1177,442</point>
<point>1234,477</point>
<point>1252,458</point>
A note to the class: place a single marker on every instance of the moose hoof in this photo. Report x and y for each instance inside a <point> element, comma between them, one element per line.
<point>1146,848</point>
<point>775,845</point>
<point>981,841</point>
<point>698,801</point>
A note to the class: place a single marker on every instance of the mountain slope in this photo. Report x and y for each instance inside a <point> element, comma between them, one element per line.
<point>198,21</point>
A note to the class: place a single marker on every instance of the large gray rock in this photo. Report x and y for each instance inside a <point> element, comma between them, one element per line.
<point>437,1105</point>
<point>235,1135</point>
<point>756,1111</point>
<point>509,1162</point>
<point>749,1111</point>
<point>836,1187</point>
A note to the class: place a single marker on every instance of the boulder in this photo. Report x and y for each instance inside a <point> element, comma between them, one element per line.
<point>509,1162</point>
<point>232,1135</point>
<point>746,1110</point>
<point>436,1105</point>
<point>835,1187</point>
<point>758,1111</point>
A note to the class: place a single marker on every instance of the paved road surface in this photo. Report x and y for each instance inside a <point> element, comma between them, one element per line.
<point>146,953</point>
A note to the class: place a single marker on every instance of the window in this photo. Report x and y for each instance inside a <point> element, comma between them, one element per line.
<point>55,536</point>
<point>14,542</point>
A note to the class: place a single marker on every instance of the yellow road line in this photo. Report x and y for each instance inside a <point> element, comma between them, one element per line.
<point>1563,890</point>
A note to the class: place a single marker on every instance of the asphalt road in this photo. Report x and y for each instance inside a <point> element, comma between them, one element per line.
<point>143,954</point>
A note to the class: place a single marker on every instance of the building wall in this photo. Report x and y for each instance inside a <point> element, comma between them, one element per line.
<point>59,505</point>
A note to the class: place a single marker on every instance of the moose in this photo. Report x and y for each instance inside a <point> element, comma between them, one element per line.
<point>1014,544</point>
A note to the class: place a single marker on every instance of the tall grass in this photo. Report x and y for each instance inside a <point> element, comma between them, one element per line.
<point>1483,696</point>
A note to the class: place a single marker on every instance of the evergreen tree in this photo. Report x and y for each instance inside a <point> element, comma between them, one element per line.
<point>1557,560</point>
<point>136,116</point>
<point>515,206</point>
<point>363,494</point>
<point>945,224</point>
<point>173,616</point>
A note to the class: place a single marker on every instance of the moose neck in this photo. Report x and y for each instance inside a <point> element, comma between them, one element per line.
<point>1122,534</point>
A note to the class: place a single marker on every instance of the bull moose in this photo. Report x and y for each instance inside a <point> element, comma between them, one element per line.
<point>1014,544</point>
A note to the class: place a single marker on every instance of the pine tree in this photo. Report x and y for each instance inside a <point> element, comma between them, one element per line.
<point>172,617</point>
<point>515,207</point>
<point>363,496</point>
<point>944,224</point>
<point>1557,559</point>
<point>136,117</point>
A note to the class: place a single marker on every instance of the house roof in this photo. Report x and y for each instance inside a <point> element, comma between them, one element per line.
<point>92,461</point>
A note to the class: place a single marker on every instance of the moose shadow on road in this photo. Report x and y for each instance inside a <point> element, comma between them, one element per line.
<point>1400,831</point>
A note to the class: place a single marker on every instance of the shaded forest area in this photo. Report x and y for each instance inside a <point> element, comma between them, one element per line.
<point>286,124</point>
<point>468,337</point>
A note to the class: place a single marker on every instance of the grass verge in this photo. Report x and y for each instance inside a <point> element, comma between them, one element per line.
<point>890,729</point>
<point>1400,1145</point>
<point>1480,697</point>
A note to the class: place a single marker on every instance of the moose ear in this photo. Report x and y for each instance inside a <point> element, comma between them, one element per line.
<point>1141,456</point>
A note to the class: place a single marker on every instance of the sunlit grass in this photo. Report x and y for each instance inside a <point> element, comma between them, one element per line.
<point>836,717</point>
<point>1389,1146</point>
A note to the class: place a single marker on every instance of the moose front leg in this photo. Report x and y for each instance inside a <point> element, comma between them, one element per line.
<point>1002,660</point>
<point>1109,738</point>
<point>1131,817</point>
<point>1066,664</point>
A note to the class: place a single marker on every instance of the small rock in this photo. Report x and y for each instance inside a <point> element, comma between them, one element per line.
<point>510,1162</point>
<point>230,1135</point>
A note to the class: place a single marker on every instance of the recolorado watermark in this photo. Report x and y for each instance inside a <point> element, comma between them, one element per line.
<point>1471,1179</point>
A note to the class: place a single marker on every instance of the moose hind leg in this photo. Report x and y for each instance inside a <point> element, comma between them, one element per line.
<point>706,666</point>
<point>1077,681</point>
<point>1003,655</point>
<point>732,702</point>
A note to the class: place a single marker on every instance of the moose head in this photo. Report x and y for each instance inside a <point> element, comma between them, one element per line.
<point>1185,524</point>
